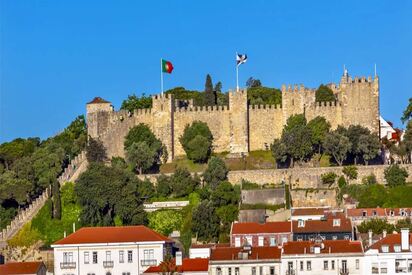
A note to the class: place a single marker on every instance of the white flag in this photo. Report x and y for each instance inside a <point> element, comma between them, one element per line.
<point>240,59</point>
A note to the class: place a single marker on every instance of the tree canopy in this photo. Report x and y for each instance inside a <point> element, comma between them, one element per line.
<point>134,102</point>
<point>324,94</point>
<point>197,141</point>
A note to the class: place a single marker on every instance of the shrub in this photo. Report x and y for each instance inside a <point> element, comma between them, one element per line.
<point>371,179</point>
<point>197,141</point>
<point>342,182</point>
<point>216,172</point>
<point>351,172</point>
<point>376,225</point>
<point>395,175</point>
<point>328,178</point>
<point>247,185</point>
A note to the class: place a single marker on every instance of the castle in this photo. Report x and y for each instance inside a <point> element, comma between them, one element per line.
<point>237,128</point>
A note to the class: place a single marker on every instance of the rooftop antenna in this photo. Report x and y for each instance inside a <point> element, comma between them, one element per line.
<point>375,70</point>
<point>345,72</point>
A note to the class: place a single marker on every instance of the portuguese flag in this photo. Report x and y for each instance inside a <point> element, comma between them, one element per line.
<point>167,66</point>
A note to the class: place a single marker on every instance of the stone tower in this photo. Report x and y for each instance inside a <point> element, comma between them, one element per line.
<point>360,101</point>
<point>295,100</point>
<point>163,117</point>
<point>98,117</point>
<point>239,118</point>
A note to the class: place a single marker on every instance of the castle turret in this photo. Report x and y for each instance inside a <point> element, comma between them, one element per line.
<point>163,116</point>
<point>98,116</point>
<point>239,135</point>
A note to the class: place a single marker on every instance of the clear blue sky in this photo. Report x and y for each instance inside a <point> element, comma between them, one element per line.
<point>58,55</point>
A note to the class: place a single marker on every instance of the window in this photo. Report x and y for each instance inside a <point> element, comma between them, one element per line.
<point>344,265</point>
<point>364,213</point>
<point>108,256</point>
<point>334,238</point>
<point>301,223</point>
<point>126,273</point>
<point>260,241</point>
<point>253,270</point>
<point>290,266</point>
<point>129,256</point>
<point>409,265</point>
<point>332,265</point>
<point>325,265</point>
<point>121,256</point>
<point>237,271</point>
<point>86,257</point>
<point>249,240</point>
<point>260,270</point>
<point>336,222</point>
<point>229,271</point>
<point>374,212</point>
<point>357,263</point>
<point>397,248</point>
<point>218,271</point>
<point>272,270</point>
<point>308,265</point>
<point>95,257</point>
<point>148,254</point>
<point>67,257</point>
<point>385,248</point>
<point>375,269</point>
<point>301,265</point>
<point>237,242</point>
<point>384,268</point>
<point>346,237</point>
<point>400,266</point>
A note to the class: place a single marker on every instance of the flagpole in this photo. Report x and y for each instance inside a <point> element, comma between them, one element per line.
<point>237,78</point>
<point>161,76</point>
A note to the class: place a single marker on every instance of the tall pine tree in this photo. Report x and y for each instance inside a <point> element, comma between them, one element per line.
<point>57,207</point>
<point>210,95</point>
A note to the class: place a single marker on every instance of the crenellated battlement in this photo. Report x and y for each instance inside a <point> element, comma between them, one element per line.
<point>237,127</point>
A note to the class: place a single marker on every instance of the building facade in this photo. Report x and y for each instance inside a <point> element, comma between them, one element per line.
<point>260,234</point>
<point>238,127</point>
<point>127,250</point>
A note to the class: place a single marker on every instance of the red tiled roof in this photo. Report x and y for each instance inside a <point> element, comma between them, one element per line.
<point>397,211</point>
<point>258,253</point>
<point>111,234</point>
<point>312,226</point>
<point>358,212</point>
<point>210,245</point>
<point>309,211</point>
<point>192,265</point>
<point>20,268</point>
<point>331,246</point>
<point>390,240</point>
<point>255,228</point>
<point>97,100</point>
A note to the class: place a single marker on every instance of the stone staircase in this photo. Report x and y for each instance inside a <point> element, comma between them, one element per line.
<point>70,173</point>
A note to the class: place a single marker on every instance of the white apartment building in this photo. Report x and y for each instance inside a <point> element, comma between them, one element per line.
<point>333,257</point>
<point>127,250</point>
<point>390,255</point>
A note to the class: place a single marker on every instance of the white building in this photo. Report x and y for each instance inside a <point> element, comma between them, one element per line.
<point>245,260</point>
<point>390,255</point>
<point>342,257</point>
<point>127,250</point>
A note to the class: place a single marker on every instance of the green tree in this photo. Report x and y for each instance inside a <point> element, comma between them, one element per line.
<point>279,150</point>
<point>210,95</point>
<point>319,128</point>
<point>163,186</point>
<point>407,139</point>
<point>165,221</point>
<point>376,225</point>
<point>18,148</point>
<point>183,183</point>
<point>14,189</point>
<point>324,94</point>
<point>195,135</point>
<point>298,142</point>
<point>95,151</point>
<point>369,147</point>
<point>218,87</point>
<point>225,194</point>
<point>355,133</point>
<point>295,121</point>
<point>351,172</point>
<point>252,83</point>
<point>205,222</point>
<point>405,223</point>
<point>263,95</point>
<point>215,172</point>
<point>328,178</point>
<point>407,113</point>
<point>57,207</point>
<point>395,175</point>
<point>145,189</point>
<point>338,146</point>
<point>140,156</point>
<point>133,103</point>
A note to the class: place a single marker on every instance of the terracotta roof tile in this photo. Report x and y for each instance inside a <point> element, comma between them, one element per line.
<point>192,265</point>
<point>390,240</point>
<point>258,253</point>
<point>313,226</point>
<point>370,212</point>
<point>331,246</point>
<point>309,211</point>
<point>210,245</point>
<point>20,268</point>
<point>97,100</point>
<point>113,234</point>
<point>255,228</point>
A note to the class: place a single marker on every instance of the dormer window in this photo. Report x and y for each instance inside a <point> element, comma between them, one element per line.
<point>364,213</point>
<point>385,248</point>
<point>392,213</point>
<point>301,223</point>
<point>397,248</point>
<point>336,222</point>
<point>374,212</point>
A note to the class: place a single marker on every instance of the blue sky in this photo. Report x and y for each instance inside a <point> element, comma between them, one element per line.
<point>57,55</point>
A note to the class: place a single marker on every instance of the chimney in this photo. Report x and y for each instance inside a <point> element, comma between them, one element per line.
<point>370,237</point>
<point>64,234</point>
<point>405,238</point>
<point>74,227</point>
<point>384,233</point>
<point>179,260</point>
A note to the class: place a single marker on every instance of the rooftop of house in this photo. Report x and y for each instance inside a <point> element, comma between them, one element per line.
<point>324,247</point>
<point>366,212</point>
<point>245,253</point>
<point>188,265</point>
<point>309,211</point>
<point>98,100</point>
<point>336,224</point>
<point>210,245</point>
<point>111,234</point>
<point>256,228</point>
<point>389,243</point>
<point>21,268</point>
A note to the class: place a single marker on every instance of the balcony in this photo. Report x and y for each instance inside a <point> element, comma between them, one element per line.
<point>108,264</point>
<point>68,265</point>
<point>343,271</point>
<point>148,262</point>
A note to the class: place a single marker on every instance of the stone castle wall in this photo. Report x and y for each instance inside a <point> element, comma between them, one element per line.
<point>237,128</point>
